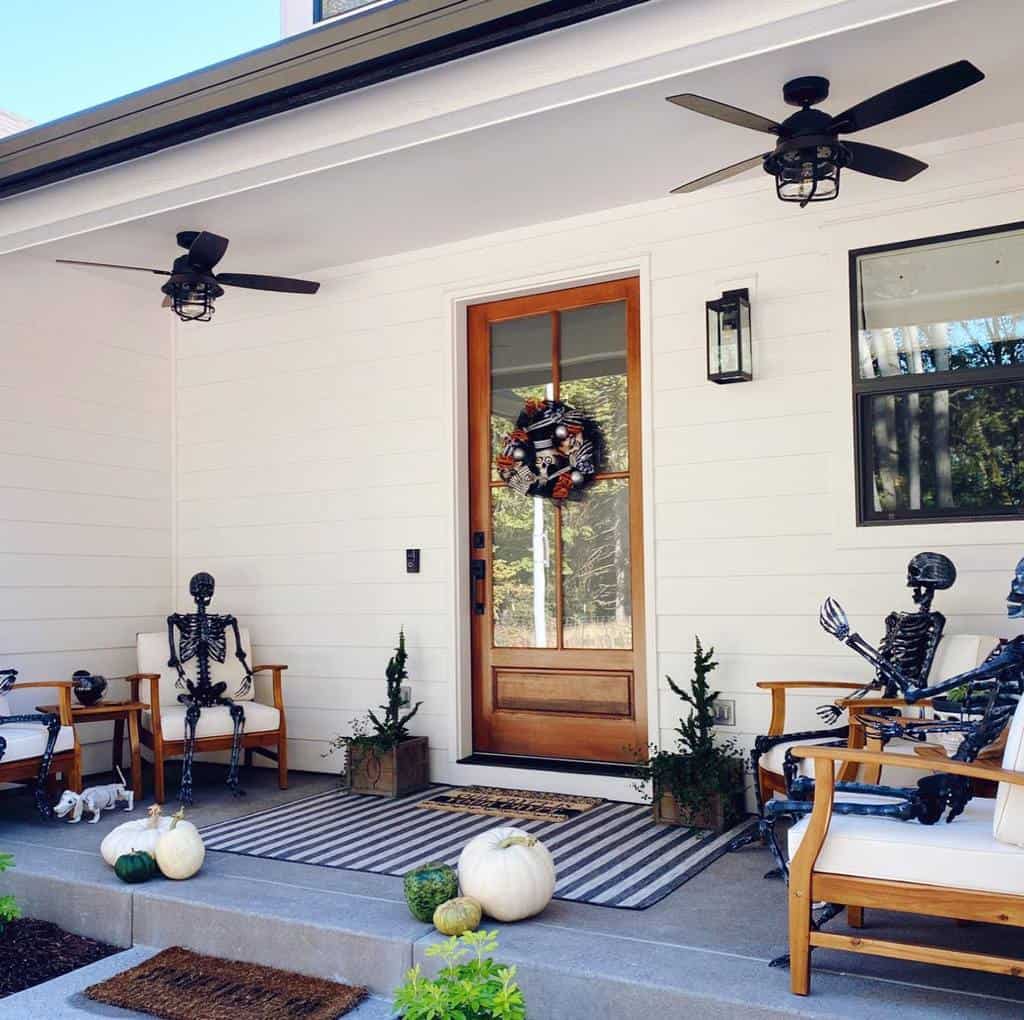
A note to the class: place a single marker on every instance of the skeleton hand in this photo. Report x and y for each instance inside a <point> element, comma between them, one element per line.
<point>829,714</point>
<point>833,618</point>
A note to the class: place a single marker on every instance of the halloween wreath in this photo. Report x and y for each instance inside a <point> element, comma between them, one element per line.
<point>553,451</point>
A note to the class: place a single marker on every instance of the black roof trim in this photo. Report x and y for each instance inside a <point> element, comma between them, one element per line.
<point>384,42</point>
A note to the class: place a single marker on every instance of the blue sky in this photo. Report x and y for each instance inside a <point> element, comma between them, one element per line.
<point>58,57</point>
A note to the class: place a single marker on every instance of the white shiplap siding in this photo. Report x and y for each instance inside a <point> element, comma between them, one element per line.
<point>85,505</point>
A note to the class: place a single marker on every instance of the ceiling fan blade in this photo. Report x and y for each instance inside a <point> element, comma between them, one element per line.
<point>720,175</point>
<point>909,96</point>
<point>879,162</point>
<point>207,249</point>
<point>111,265</point>
<point>723,111</point>
<point>281,284</point>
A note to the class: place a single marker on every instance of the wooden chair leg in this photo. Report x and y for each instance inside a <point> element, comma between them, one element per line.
<point>75,772</point>
<point>282,762</point>
<point>158,774</point>
<point>855,917</point>
<point>799,941</point>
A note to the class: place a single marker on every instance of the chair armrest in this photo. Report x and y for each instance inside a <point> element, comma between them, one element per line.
<point>134,679</point>
<point>778,688</point>
<point>924,763</point>
<point>276,670</point>
<point>852,703</point>
<point>64,688</point>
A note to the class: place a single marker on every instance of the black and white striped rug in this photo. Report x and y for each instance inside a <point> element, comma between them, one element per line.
<point>614,855</point>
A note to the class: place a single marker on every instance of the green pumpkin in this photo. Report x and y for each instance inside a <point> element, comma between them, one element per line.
<point>427,887</point>
<point>137,866</point>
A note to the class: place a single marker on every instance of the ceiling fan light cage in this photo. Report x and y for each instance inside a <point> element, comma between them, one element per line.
<point>808,173</point>
<point>192,301</point>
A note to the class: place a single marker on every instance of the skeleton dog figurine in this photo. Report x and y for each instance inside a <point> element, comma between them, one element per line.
<point>52,723</point>
<point>95,799</point>
<point>203,636</point>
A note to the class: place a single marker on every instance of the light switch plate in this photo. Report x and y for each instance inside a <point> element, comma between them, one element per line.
<point>725,712</point>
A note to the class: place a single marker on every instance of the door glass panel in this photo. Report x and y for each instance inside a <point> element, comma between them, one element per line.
<point>593,374</point>
<point>596,591</point>
<point>524,570</point>
<point>520,369</point>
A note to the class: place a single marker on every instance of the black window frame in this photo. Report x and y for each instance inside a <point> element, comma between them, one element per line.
<point>864,389</point>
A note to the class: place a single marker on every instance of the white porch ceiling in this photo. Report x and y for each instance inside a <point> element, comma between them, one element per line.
<point>621,148</point>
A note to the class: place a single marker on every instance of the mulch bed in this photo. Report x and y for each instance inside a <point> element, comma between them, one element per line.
<point>32,952</point>
<point>181,985</point>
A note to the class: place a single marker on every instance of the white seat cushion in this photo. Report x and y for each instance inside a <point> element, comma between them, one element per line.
<point>213,722</point>
<point>28,740</point>
<point>153,651</point>
<point>1008,820</point>
<point>964,853</point>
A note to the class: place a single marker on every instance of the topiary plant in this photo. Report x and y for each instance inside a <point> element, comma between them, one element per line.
<point>471,986</point>
<point>9,909</point>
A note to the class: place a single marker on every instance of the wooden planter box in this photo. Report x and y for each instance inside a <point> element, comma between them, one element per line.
<point>404,769</point>
<point>669,811</point>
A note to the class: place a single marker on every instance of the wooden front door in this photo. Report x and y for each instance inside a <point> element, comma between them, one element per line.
<point>557,594</point>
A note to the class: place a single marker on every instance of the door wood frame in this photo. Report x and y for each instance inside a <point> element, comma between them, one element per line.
<point>576,734</point>
<point>455,302</point>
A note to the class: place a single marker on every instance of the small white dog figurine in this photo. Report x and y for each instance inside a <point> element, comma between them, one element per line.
<point>95,799</point>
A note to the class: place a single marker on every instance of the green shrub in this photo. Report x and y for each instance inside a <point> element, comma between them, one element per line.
<point>9,909</point>
<point>470,987</point>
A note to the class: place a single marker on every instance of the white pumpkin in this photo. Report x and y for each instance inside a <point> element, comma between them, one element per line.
<point>509,872</point>
<point>180,851</point>
<point>141,834</point>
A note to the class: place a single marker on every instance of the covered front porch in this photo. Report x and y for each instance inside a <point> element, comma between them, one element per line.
<point>320,457</point>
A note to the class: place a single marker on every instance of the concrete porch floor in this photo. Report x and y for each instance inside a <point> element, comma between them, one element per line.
<point>701,951</point>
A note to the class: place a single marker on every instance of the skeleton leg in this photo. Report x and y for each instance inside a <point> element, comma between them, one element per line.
<point>238,719</point>
<point>191,719</point>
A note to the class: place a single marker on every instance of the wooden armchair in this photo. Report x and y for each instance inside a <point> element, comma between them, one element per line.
<point>26,742</point>
<point>163,720</point>
<point>972,869</point>
<point>956,654</point>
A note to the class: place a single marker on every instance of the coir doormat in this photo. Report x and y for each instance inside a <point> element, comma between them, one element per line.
<point>490,800</point>
<point>181,985</point>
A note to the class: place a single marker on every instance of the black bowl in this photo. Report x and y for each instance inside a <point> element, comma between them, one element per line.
<point>88,687</point>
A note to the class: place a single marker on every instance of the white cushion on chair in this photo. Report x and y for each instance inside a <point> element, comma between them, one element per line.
<point>1008,820</point>
<point>963,853</point>
<point>957,653</point>
<point>773,759</point>
<point>153,651</point>
<point>213,722</point>
<point>28,740</point>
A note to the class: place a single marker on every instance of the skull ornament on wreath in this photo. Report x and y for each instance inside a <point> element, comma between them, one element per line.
<point>553,451</point>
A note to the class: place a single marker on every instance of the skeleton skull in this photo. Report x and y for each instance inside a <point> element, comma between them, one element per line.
<point>927,573</point>
<point>201,588</point>
<point>1015,598</point>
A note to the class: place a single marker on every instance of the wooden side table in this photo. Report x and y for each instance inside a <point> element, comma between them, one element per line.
<point>117,712</point>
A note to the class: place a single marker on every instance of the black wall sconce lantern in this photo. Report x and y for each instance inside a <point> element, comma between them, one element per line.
<point>729,357</point>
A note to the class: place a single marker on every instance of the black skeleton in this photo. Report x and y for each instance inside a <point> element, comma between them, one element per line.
<point>52,723</point>
<point>991,693</point>
<point>203,636</point>
<point>909,644</point>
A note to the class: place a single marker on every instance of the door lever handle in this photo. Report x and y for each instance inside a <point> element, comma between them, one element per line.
<point>477,575</point>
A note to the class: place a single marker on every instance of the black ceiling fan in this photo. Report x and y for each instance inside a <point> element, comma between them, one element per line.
<point>808,156</point>
<point>192,287</point>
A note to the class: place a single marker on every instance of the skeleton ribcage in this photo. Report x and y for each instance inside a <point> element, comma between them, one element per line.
<point>909,641</point>
<point>192,637</point>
